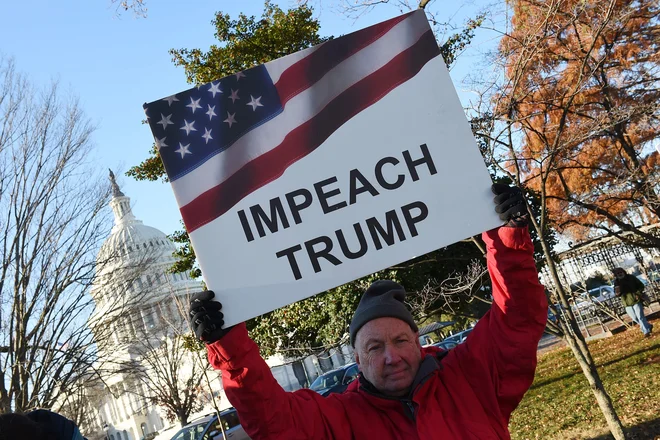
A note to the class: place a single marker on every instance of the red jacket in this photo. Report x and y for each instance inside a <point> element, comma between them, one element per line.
<point>467,393</point>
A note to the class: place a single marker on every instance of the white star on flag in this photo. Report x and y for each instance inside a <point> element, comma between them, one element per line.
<point>230,119</point>
<point>194,105</point>
<point>211,112</point>
<point>255,103</point>
<point>234,95</point>
<point>188,126</point>
<point>183,149</point>
<point>170,99</point>
<point>207,135</point>
<point>239,75</point>
<point>215,88</point>
<point>160,143</point>
<point>165,121</point>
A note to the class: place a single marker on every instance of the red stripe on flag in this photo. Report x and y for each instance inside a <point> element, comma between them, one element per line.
<point>308,136</point>
<point>310,69</point>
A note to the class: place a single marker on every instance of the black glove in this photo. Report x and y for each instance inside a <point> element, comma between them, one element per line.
<point>206,319</point>
<point>510,204</point>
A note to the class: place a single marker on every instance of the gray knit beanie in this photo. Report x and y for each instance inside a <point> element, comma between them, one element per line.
<point>384,298</point>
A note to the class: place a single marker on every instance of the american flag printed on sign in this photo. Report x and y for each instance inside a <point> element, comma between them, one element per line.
<point>223,140</point>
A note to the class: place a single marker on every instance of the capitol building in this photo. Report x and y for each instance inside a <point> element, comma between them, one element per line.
<point>139,323</point>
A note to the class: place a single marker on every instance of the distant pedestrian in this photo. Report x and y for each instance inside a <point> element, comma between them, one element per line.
<point>631,291</point>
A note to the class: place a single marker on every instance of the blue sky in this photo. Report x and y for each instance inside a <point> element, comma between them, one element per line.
<point>116,63</point>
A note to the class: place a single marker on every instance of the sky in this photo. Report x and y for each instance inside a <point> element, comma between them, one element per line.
<point>115,62</point>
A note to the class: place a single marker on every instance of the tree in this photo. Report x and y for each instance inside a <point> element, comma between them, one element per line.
<point>570,120</point>
<point>320,322</point>
<point>81,404</point>
<point>168,375</point>
<point>585,91</point>
<point>52,221</point>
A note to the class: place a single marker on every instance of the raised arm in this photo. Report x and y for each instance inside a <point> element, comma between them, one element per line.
<point>498,358</point>
<point>265,410</point>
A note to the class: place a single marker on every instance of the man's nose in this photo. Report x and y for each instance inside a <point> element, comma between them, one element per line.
<point>391,355</point>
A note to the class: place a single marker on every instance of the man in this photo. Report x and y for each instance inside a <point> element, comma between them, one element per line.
<point>404,391</point>
<point>631,291</point>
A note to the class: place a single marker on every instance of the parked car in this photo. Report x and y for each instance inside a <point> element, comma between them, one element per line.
<point>459,337</point>
<point>208,428</point>
<point>586,304</point>
<point>335,381</point>
<point>601,293</point>
<point>445,345</point>
<point>654,276</point>
<point>425,340</point>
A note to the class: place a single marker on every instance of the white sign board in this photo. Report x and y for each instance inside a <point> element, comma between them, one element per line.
<point>322,167</point>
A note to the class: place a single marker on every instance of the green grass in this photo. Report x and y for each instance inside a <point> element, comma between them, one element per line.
<point>560,405</point>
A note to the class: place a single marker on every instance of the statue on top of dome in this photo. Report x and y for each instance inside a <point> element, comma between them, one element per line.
<point>116,192</point>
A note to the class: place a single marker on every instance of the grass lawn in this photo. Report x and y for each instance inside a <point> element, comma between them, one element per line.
<point>560,404</point>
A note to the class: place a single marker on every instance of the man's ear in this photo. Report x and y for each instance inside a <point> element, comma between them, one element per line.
<point>419,345</point>
<point>357,360</point>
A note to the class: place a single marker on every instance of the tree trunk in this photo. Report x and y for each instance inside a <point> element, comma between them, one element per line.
<point>183,418</point>
<point>604,401</point>
<point>580,349</point>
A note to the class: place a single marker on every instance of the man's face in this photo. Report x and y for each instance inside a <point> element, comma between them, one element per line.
<point>387,352</point>
<point>620,274</point>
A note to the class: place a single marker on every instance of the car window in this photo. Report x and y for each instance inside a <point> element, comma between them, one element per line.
<point>425,340</point>
<point>326,380</point>
<point>457,338</point>
<point>351,374</point>
<point>212,432</point>
<point>191,432</point>
<point>230,420</point>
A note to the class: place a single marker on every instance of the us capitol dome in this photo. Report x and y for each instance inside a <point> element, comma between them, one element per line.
<point>134,292</point>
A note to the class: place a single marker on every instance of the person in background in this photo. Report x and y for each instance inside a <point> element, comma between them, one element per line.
<point>631,291</point>
<point>403,391</point>
<point>40,424</point>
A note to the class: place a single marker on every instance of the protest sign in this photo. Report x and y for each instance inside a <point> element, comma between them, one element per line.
<point>318,168</point>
